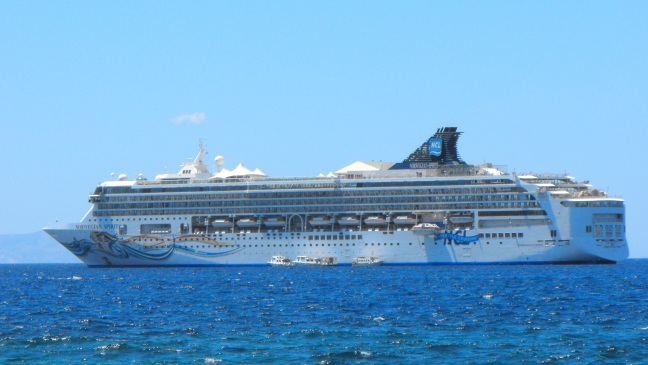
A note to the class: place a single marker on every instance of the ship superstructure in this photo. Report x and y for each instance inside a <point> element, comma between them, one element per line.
<point>432,208</point>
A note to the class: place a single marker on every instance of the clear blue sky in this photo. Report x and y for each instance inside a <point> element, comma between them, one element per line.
<point>298,88</point>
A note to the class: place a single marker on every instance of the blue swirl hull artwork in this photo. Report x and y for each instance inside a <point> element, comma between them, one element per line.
<point>101,249</point>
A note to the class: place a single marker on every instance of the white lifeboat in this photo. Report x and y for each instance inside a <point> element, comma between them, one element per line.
<point>221,222</point>
<point>274,222</point>
<point>426,229</point>
<point>246,222</point>
<point>375,220</point>
<point>405,219</point>
<point>323,220</point>
<point>348,220</point>
<point>461,217</point>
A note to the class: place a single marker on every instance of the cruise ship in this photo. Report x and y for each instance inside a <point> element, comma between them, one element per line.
<point>431,208</point>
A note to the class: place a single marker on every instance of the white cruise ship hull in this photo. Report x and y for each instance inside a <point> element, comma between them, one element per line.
<point>106,249</point>
<point>432,208</point>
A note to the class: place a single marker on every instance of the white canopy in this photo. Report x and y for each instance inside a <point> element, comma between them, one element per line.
<point>222,174</point>
<point>258,173</point>
<point>365,166</point>
<point>240,171</point>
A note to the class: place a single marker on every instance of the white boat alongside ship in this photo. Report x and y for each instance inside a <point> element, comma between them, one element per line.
<point>315,261</point>
<point>366,261</point>
<point>279,260</point>
<point>432,208</point>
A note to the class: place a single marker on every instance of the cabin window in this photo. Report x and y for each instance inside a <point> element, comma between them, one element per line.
<point>123,229</point>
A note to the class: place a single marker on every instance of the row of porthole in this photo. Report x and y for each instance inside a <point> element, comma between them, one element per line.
<point>134,219</point>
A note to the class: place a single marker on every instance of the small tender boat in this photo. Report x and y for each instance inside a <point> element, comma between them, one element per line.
<point>280,261</point>
<point>306,260</point>
<point>426,229</point>
<point>366,261</point>
<point>328,261</point>
<point>316,261</point>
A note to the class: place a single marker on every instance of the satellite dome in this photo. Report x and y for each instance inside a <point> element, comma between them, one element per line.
<point>219,161</point>
<point>122,177</point>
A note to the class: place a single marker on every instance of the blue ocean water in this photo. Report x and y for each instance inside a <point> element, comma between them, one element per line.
<point>66,314</point>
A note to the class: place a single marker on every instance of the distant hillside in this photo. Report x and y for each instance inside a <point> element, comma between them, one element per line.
<point>33,248</point>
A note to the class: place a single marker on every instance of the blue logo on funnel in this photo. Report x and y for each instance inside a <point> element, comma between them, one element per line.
<point>436,145</point>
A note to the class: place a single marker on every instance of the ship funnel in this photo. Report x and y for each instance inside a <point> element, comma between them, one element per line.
<point>440,148</point>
